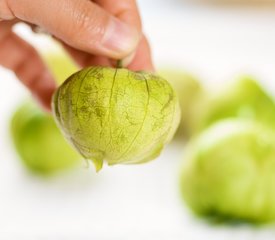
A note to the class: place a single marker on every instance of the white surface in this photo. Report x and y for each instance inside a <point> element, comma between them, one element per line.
<point>139,202</point>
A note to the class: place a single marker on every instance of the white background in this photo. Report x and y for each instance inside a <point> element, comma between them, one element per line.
<point>139,202</point>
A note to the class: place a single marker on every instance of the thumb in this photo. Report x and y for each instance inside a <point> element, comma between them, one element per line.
<point>80,24</point>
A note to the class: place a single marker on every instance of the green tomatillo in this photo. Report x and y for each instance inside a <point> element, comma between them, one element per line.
<point>244,99</point>
<point>116,115</point>
<point>229,172</point>
<point>39,142</point>
<point>188,89</point>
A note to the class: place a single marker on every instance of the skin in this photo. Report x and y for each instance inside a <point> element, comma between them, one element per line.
<point>106,30</point>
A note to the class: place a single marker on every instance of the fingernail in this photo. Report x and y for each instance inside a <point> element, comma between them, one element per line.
<point>120,39</point>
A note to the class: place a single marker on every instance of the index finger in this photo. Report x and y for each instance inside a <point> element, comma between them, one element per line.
<point>81,24</point>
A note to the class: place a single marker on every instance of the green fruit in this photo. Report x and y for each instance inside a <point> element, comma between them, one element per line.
<point>188,90</point>
<point>229,172</point>
<point>39,143</point>
<point>245,99</point>
<point>116,115</point>
<point>60,64</point>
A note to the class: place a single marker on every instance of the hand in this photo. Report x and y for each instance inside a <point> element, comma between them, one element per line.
<point>93,32</point>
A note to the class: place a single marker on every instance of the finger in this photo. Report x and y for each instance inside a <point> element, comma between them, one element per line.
<point>84,59</point>
<point>142,59</point>
<point>5,12</point>
<point>81,24</point>
<point>126,10</point>
<point>23,60</point>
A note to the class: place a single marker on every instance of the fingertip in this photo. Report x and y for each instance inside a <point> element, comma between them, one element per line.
<point>142,59</point>
<point>120,39</point>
